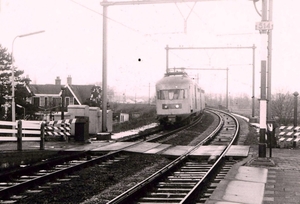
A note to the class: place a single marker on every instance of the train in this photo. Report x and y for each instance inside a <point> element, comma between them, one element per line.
<point>178,98</point>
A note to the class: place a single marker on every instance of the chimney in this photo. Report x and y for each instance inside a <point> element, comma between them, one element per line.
<point>69,80</point>
<point>57,81</point>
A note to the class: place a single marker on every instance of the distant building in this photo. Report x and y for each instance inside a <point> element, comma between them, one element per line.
<point>48,97</point>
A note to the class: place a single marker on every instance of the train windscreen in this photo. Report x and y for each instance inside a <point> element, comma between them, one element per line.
<point>172,94</point>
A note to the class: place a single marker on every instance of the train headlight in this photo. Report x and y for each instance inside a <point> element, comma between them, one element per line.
<point>172,106</point>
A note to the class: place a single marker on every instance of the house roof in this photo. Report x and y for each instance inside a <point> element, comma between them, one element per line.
<point>45,89</point>
<point>81,92</point>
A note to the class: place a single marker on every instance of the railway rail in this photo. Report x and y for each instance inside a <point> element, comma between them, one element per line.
<point>182,180</point>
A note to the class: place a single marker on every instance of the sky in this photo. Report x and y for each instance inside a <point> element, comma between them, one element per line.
<point>137,38</point>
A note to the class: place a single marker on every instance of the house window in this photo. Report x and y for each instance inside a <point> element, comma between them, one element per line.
<point>46,101</point>
<point>67,101</point>
<point>50,101</point>
<point>36,101</point>
<point>71,101</point>
<point>42,101</point>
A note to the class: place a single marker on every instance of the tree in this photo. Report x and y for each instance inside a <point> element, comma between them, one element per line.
<point>6,85</point>
<point>282,107</point>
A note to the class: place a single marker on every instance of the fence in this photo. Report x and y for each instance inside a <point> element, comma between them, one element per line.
<point>17,131</point>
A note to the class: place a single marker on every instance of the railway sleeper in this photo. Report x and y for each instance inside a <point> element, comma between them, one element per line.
<point>33,191</point>
<point>193,171</point>
<point>7,184</point>
<point>213,185</point>
<point>157,200</point>
<point>195,168</point>
<point>18,197</point>
<point>77,161</point>
<point>173,189</point>
<point>189,172</point>
<point>44,187</point>
<point>199,169</point>
<point>176,185</point>
<point>194,164</point>
<point>40,174</point>
<point>167,195</point>
<point>192,176</point>
<point>183,179</point>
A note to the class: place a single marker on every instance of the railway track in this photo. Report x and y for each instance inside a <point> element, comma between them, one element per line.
<point>185,179</point>
<point>18,184</point>
<point>15,187</point>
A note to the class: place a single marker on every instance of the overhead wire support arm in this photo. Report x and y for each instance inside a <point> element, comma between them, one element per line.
<point>207,48</point>
<point>141,2</point>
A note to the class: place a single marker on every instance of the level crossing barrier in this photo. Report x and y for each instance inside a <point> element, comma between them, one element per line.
<point>289,137</point>
<point>59,128</point>
<point>22,130</point>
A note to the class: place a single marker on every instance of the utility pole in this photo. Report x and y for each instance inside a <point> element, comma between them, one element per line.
<point>63,98</point>
<point>269,76</point>
<point>104,70</point>
<point>253,81</point>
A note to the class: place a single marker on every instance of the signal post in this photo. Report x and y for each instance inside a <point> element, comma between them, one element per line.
<point>264,26</point>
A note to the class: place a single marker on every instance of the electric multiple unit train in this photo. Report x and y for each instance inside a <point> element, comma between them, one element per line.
<point>178,98</point>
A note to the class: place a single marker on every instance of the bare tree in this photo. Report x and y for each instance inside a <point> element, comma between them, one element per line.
<point>282,107</point>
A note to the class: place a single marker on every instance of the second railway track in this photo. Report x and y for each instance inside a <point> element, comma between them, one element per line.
<point>184,180</point>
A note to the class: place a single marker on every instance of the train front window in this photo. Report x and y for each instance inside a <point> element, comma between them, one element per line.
<point>173,94</point>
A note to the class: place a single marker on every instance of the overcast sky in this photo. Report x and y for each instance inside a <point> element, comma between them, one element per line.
<point>72,42</point>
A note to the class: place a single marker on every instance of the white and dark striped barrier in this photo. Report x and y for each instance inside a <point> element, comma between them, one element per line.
<point>17,131</point>
<point>289,137</point>
<point>60,128</point>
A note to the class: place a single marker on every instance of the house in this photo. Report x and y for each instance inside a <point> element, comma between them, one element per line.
<point>48,97</point>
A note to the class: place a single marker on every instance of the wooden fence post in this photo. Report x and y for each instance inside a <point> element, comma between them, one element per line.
<point>19,136</point>
<point>42,142</point>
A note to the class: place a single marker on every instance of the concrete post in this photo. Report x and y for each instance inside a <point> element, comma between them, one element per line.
<point>19,136</point>
<point>295,108</point>
<point>63,96</point>
<point>42,142</point>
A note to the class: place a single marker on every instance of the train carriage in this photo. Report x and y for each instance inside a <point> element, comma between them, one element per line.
<point>177,98</point>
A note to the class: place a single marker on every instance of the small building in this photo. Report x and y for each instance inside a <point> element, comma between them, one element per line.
<point>120,117</point>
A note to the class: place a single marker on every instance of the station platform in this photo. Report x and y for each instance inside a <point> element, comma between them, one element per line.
<point>243,184</point>
<point>269,180</point>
